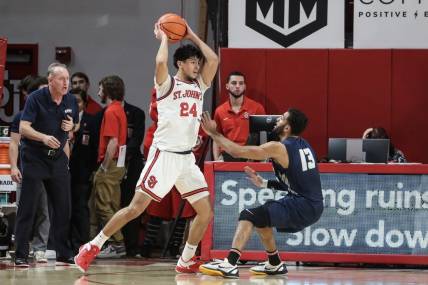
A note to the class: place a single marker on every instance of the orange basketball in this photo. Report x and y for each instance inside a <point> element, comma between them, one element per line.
<point>174,27</point>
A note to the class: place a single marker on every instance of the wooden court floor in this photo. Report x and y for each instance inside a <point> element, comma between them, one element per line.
<point>161,272</point>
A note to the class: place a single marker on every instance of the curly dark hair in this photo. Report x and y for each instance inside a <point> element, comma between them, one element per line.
<point>297,121</point>
<point>25,82</point>
<point>186,52</point>
<point>37,82</point>
<point>113,87</point>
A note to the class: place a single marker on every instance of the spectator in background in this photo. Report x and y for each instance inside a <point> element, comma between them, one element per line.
<point>105,196</point>
<point>232,116</point>
<point>49,114</point>
<point>40,232</point>
<point>134,164</point>
<point>83,161</point>
<point>24,84</point>
<point>81,80</point>
<point>395,155</point>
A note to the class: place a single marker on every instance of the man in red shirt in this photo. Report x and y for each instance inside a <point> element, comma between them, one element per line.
<point>105,199</point>
<point>81,81</point>
<point>232,116</point>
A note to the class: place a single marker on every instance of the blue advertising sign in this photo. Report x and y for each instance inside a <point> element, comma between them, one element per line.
<point>364,213</point>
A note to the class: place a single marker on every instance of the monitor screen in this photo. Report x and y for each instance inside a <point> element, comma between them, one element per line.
<point>262,123</point>
<point>337,149</point>
<point>358,150</point>
<point>261,127</point>
<point>377,150</point>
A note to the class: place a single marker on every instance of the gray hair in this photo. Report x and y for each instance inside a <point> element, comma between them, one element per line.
<point>53,66</point>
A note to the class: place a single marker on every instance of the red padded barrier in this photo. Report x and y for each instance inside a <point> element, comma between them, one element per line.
<point>3,46</point>
<point>343,91</point>
<point>359,91</point>
<point>251,62</point>
<point>410,102</point>
<point>298,78</point>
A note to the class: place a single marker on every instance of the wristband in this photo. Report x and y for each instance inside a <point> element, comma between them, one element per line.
<point>264,183</point>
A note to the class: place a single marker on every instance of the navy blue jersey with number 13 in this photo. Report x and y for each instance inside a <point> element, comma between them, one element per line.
<point>302,176</point>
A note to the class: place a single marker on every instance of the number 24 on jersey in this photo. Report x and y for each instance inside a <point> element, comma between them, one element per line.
<point>186,110</point>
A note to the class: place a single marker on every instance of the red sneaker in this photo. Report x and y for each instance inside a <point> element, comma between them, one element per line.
<point>191,266</point>
<point>87,253</point>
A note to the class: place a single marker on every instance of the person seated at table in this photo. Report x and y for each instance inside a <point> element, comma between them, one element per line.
<point>395,155</point>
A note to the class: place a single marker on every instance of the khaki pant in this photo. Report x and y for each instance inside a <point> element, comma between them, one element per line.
<point>105,198</point>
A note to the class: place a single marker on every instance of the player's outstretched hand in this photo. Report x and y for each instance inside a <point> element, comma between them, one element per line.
<point>253,176</point>
<point>208,124</point>
<point>159,33</point>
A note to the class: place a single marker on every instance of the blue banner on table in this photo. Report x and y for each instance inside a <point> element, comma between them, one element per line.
<point>364,213</point>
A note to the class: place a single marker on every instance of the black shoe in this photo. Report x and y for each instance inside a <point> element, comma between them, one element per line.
<point>131,254</point>
<point>21,262</point>
<point>64,261</point>
<point>146,252</point>
<point>174,251</point>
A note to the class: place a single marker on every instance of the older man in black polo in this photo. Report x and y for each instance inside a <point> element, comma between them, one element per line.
<point>49,114</point>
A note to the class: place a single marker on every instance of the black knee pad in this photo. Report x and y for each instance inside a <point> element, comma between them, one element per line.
<point>259,217</point>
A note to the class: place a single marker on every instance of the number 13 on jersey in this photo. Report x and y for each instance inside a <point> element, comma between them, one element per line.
<point>307,159</point>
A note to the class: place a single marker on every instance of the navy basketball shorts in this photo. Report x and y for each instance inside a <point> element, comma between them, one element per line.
<point>293,213</point>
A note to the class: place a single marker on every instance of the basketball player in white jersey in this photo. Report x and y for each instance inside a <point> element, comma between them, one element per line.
<point>170,161</point>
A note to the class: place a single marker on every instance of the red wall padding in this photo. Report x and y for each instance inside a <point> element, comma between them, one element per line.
<point>359,91</point>
<point>253,64</point>
<point>299,79</point>
<point>342,91</point>
<point>409,99</point>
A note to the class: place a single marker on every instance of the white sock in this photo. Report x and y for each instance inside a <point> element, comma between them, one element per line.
<point>99,240</point>
<point>188,252</point>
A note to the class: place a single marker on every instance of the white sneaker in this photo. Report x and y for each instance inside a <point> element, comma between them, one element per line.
<point>266,269</point>
<point>220,268</point>
<point>112,251</point>
<point>39,257</point>
<point>50,254</point>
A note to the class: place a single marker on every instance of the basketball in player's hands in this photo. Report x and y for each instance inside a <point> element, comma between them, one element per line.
<point>174,27</point>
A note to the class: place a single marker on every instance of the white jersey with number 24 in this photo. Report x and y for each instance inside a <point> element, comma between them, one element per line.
<point>179,106</point>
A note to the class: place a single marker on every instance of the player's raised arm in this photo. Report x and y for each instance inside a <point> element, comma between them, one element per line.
<point>211,59</point>
<point>161,69</point>
<point>275,150</point>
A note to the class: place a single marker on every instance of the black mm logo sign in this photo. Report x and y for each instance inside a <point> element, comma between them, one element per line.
<point>294,12</point>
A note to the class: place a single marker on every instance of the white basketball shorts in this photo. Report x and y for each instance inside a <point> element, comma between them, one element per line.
<point>165,169</point>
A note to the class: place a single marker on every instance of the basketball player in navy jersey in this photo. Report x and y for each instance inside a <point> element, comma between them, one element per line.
<point>295,167</point>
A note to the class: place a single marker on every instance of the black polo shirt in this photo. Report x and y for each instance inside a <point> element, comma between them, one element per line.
<point>14,127</point>
<point>46,116</point>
